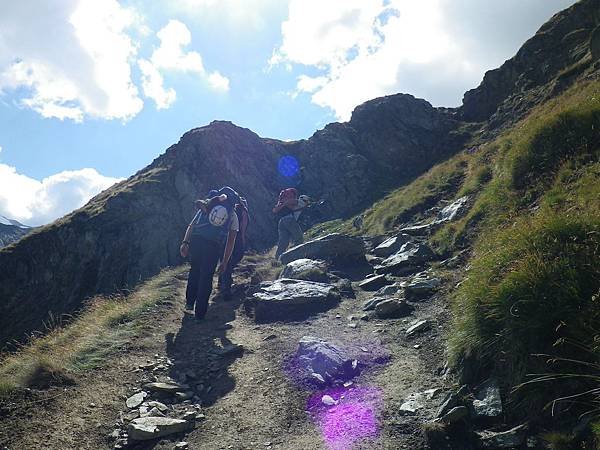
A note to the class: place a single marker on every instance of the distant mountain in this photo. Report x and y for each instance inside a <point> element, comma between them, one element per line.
<point>11,230</point>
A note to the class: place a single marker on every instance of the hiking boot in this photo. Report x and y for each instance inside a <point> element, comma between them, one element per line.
<point>188,309</point>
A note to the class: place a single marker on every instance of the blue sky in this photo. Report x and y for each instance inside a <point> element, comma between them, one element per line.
<point>92,91</point>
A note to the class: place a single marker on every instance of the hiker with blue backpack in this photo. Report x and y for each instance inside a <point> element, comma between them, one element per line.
<point>241,242</point>
<point>210,236</point>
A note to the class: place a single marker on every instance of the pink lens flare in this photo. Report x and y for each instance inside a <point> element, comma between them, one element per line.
<point>352,419</point>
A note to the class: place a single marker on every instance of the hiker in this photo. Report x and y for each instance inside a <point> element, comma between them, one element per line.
<point>226,278</point>
<point>214,223</point>
<point>288,208</point>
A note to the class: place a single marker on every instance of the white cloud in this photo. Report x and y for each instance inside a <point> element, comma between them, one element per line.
<point>35,202</point>
<point>71,58</point>
<point>171,57</point>
<point>363,49</point>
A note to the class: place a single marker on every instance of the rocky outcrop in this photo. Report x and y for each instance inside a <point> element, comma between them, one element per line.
<point>129,232</point>
<point>335,247</point>
<point>11,231</point>
<point>547,63</point>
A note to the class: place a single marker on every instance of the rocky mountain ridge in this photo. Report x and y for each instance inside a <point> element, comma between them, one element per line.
<point>11,231</point>
<point>132,230</point>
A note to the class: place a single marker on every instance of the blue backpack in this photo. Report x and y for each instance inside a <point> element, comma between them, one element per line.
<point>201,224</point>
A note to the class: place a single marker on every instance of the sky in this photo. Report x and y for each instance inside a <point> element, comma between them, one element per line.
<point>93,90</point>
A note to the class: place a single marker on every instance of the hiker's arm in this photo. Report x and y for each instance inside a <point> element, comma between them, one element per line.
<point>228,250</point>
<point>184,248</point>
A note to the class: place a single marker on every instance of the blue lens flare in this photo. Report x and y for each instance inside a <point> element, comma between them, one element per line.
<point>288,166</point>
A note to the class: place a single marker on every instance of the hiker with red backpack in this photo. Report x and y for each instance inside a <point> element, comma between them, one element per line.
<point>226,278</point>
<point>288,208</point>
<point>214,226</point>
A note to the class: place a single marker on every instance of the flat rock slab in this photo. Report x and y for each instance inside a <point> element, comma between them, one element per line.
<point>146,428</point>
<point>306,269</point>
<point>391,245</point>
<point>371,304</point>
<point>325,363</point>
<point>136,399</point>
<point>418,327</point>
<point>168,388</point>
<point>409,258</point>
<point>333,247</point>
<point>288,299</point>
<point>393,309</point>
<point>512,438</point>
<point>374,282</point>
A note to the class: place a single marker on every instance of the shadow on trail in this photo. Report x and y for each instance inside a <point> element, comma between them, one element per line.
<point>201,353</point>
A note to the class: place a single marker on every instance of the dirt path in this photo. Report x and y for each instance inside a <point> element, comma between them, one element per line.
<point>251,399</point>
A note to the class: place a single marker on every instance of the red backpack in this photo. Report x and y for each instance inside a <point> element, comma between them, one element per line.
<point>286,194</point>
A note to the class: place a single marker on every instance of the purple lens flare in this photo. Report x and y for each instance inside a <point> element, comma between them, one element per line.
<point>351,419</point>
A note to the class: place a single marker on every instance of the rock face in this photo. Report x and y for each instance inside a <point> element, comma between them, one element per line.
<point>288,299</point>
<point>333,247</point>
<point>325,363</point>
<point>132,230</point>
<point>11,231</point>
<point>539,70</point>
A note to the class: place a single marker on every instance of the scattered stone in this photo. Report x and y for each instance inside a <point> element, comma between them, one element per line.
<point>181,445</point>
<point>420,287</point>
<point>325,362</point>
<point>183,396</point>
<point>269,337</point>
<point>288,299</point>
<point>451,402</point>
<point>328,400</point>
<point>454,210</point>
<point>371,304</point>
<point>170,387</point>
<point>155,412</point>
<point>352,325</point>
<point>393,309</point>
<point>420,230</point>
<point>455,415</point>
<point>418,327</point>
<point>333,247</point>
<point>189,415</point>
<point>391,245</point>
<point>416,346</point>
<point>488,402</point>
<point>344,285</point>
<point>306,269</point>
<point>146,428</point>
<point>409,258</point>
<point>386,291</point>
<point>230,350</point>
<point>365,317</point>
<point>512,438</point>
<point>136,399</point>
<point>160,406</point>
<point>373,283</point>
<point>416,401</point>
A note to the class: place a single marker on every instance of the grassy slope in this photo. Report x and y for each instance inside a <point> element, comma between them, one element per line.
<point>534,227</point>
<point>103,328</point>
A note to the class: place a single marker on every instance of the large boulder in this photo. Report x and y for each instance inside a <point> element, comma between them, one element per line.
<point>334,247</point>
<point>410,258</point>
<point>325,363</point>
<point>146,428</point>
<point>488,401</point>
<point>420,287</point>
<point>289,299</point>
<point>306,269</point>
